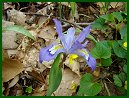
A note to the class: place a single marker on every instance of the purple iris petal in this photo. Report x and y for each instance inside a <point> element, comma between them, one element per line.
<point>86,42</point>
<point>58,27</point>
<point>69,37</point>
<point>44,54</point>
<point>59,31</point>
<point>83,34</point>
<point>76,45</point>
<point>90,61</point>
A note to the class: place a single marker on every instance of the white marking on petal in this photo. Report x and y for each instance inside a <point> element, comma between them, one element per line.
<point>55,48</point>
<point>85,53</point>
<point>53,52</point>
<point>51,49</point>
<point>87,56</point>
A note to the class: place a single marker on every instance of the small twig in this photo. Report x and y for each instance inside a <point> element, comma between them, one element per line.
<point>109,94</point>
<point>116,4</point>
<point>82,24</point>
<point>96,16</point>
<point>94,7</point>
<point>109,80</point>
<point>36,14</point>
<point>24,8</point>
<point>84,15</point>
<point>37,30</point>
<point>71,23</point>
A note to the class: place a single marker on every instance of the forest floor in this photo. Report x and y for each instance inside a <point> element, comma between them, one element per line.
<point>24,75</point>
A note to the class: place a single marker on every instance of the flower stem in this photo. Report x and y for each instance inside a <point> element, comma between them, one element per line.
<point>64,58</point>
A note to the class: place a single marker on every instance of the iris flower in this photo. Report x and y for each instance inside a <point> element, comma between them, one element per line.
<point>70,44</point>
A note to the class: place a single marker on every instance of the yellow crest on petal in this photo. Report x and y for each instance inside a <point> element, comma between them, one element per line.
<point>72,57</point>
<point>55,48</point>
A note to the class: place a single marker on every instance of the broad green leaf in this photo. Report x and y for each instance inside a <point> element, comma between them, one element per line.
<point>122,90</point>
<point>117,80</point>
<point>106,62</point>
<point>125,68</point>
<point>29,89</point>
<point>118,16</point>
<point>101,50</point>
<point>72,4</point>
<point>19,29</point>
<point>99,24</point>
<point>88,87</point>
<point>108,17</point>
<point>122,76</point>
<point>86,78</point>
<point>109,43</point>
<point>119,51</point>
<point>123,31</point>
<point>55,76</point>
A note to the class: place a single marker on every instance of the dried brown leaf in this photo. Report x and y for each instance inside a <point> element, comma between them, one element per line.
<point>8,40</point>
<point>7,5</point>
<point>17,17</point>
<point>14,81</point>
<point>6,23</point>
<point>65,87</point>
<point>75,67</point>
<point>11,68</point>
<point>112,4</point>
<point>47,33</point>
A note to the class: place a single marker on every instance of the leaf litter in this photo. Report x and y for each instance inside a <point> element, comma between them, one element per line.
<point>24,70</point>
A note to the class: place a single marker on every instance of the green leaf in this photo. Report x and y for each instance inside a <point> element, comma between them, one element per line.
<point>117,80</point>
<point>122,90</point>
<point>123,31</point>
<point>108,17</point>
<point>19,29</point>
<point>121,42</point>
<point>119,51</point>
<point>125,6</point>
<point>101,50</point>
<point>106,62</point>
<point>88,87</point>
<point>109,43</point>
<point>29,89</point>
<point>55,76</point>
<point>91,37</point>
<point>122,76</point>
<point>99,24</point>
<point>125,68</point>
<point>118,16</point>
<point>73,5</point>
